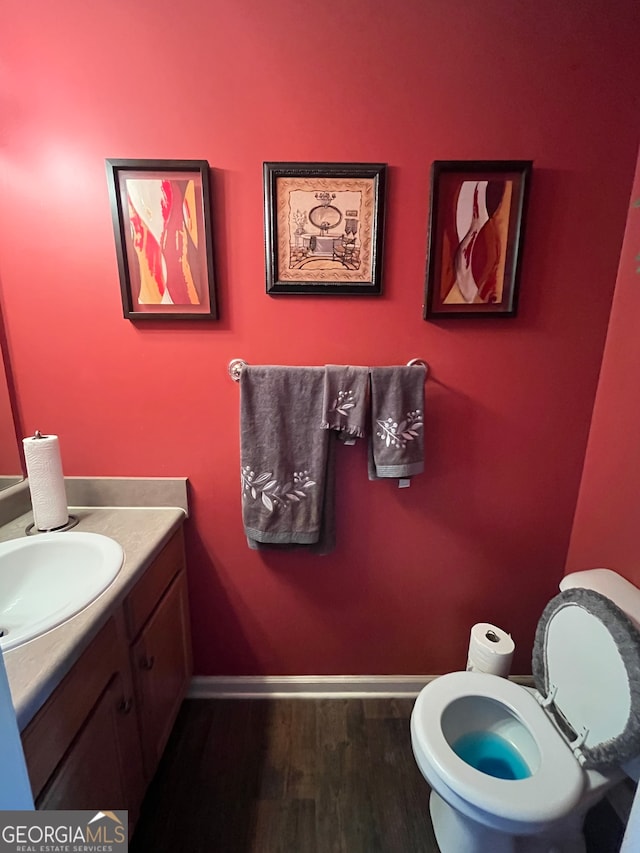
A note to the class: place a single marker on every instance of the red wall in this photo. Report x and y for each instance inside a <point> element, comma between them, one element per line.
<point>483,534</point>
<point>605,530</point>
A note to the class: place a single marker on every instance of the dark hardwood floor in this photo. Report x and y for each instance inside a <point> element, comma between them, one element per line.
<point>298,776</point>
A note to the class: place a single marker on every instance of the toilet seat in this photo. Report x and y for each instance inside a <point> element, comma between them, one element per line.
<point>552,790</point>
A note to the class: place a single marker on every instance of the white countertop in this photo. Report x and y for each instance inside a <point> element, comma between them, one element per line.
<point>37,667</point>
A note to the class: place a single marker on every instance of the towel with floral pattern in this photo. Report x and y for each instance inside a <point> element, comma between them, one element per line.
<point>346,393</point>
<point>287,481</point>
<point>396,442</point>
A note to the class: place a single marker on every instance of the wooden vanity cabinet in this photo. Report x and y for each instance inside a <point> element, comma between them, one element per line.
<point>97,740</point>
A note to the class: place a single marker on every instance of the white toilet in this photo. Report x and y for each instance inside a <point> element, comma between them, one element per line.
<point>514,770</point>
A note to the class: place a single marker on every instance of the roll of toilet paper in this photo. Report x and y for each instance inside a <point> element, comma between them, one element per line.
<point>490,650</point>
<point>46,481</point>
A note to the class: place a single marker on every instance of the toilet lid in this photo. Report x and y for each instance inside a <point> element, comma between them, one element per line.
<point>585,656</point>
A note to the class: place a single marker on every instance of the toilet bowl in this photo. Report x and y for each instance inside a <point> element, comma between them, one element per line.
<point>514,770</point>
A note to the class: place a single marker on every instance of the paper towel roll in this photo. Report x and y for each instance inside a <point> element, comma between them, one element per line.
<point>490,650</point>
<point>46,481</point>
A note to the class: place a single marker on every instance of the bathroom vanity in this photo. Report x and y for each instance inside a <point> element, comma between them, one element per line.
<point>97,697</point>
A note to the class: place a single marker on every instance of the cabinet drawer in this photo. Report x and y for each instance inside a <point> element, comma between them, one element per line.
<point>149,590</point>
<point>50,733</point>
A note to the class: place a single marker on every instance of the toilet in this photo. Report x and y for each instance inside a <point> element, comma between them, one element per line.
<point>515,769</point>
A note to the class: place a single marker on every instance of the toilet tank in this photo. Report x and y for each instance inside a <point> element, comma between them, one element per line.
<point>622,592</point>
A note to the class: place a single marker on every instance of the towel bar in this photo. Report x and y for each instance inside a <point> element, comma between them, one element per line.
<point>236,366</point>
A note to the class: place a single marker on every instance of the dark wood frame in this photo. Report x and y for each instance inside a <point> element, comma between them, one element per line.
<point>116,170</point>
<point>443,175</point>
<point>319,176</point>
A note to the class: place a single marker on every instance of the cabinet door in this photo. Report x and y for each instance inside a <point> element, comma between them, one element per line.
<point>99,770</point>
<point>95,694</point>
<point>161,663</point>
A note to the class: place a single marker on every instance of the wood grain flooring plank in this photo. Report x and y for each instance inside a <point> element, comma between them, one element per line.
<point>383,708</point>
<point>331,751</point>
<point>284,826</point>
<point>302,782</point>
<point>364,829</point>
<point>401,797</point>
<point>274,749</point>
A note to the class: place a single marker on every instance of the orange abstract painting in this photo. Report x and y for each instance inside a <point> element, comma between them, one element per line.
<point>161,222</point>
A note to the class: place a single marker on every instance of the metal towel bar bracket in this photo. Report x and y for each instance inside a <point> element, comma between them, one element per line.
<point>236,366</point>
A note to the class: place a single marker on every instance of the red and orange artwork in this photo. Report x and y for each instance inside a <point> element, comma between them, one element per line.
<point>164,234</point>
<point>475,235</point>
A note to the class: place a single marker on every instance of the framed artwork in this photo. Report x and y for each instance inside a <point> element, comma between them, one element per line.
<point>476,231</point>
<point>324,227</point>
<point>162,224</point>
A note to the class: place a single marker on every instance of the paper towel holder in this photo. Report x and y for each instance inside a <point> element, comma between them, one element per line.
<point>32,530</point>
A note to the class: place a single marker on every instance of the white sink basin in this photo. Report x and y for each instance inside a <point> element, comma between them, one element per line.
<point>48,578</point>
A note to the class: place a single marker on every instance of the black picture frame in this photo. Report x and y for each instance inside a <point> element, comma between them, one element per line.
<point>161,213</point>
<point>477,219</point>
<point>324,225</point>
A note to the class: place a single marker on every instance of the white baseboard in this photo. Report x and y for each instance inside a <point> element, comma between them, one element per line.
<point>312,686</point>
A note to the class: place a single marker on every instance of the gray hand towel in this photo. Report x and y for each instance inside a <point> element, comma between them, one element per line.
<point>346,393</point>
<point>287,497</point>
<point>396,443</point>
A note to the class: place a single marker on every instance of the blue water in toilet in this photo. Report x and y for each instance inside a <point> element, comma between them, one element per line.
<point>491,754</point>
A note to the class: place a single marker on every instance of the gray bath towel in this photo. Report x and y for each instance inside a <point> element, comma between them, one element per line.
<point>287,495</point>
<point>346,394</point>
<point>396,442</point>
